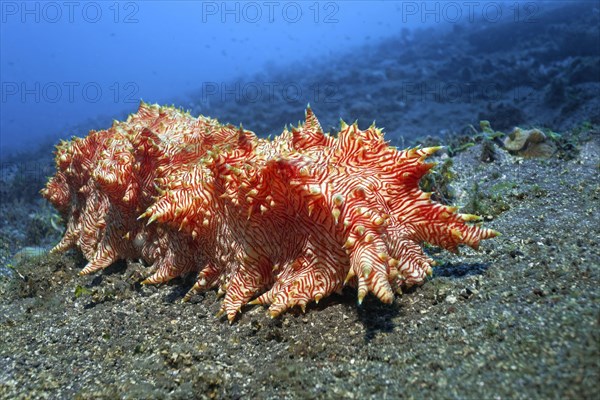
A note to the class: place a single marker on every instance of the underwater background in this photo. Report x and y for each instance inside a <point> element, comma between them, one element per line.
<point>519,319</point>
<point>412,66</point>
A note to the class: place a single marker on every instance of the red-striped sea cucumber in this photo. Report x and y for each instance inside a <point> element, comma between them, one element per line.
<point>278,222</point>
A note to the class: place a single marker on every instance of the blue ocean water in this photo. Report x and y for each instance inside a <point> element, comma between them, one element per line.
<point>67,67</point>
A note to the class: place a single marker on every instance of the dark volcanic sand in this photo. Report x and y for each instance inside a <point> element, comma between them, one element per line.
<point>518,319</point>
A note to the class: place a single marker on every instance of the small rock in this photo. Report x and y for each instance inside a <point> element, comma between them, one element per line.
<point>539,292</point>
<point>451,299</point>
<point>531,143</point>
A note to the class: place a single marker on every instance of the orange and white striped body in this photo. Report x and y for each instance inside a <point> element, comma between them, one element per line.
<point>284,221</point>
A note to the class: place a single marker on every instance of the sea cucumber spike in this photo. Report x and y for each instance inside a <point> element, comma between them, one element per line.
<point>336,214</point>
<point>349,276</point>
<point>338,200</point>
<point>457,234</point>
<point>393,273</point>
<point>362,289</point>
<point>94,266</point>
<point>314,189</point>
<point>452,209</point>
<point>427,151</point>
<point>349,243</point>
<point>312,123</point>
<point>366,270</point>
<point>258,301</point>
<point>470,218</point>
<point>303,307</point>
<point>379,221</point>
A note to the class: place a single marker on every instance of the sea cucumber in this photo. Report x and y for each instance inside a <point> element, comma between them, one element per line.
<point>278,222</point>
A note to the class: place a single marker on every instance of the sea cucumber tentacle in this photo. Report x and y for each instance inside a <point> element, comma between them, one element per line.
<point>285,221</point>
